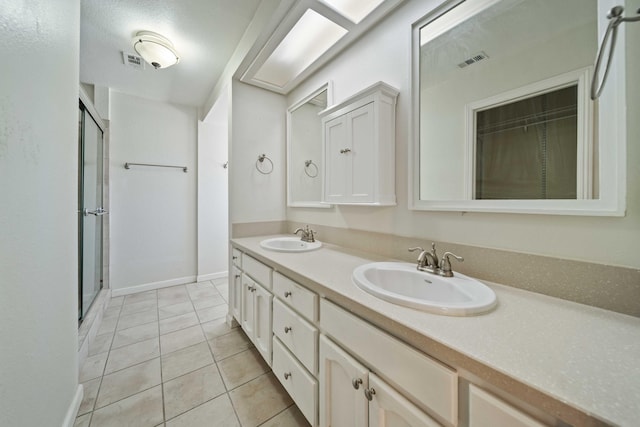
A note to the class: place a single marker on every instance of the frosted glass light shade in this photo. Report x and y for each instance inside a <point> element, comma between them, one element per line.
<point>355,10</point>
<point>155,49</point>
<point>309,38</point>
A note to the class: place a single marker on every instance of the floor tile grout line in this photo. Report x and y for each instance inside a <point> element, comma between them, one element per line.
<point>164,415</point>
<point>285,409</point>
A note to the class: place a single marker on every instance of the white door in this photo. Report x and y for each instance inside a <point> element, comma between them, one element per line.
<point>247,313</point>
<point>337,157</point>
<point>362,141</point>
<point>263,333</point>
<point>342,384</point>
<point>388,408</point>
<point>235,293</point>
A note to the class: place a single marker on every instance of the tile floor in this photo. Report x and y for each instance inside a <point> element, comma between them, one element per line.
<point>167,358</point>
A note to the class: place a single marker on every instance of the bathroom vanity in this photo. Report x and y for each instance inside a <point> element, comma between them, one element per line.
<point>349,358</point>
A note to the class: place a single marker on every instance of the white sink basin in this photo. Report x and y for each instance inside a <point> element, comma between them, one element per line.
<point>289,244</point>
<point>401,283</point>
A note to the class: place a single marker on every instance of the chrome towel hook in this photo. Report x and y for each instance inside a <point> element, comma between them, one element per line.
<point>260,164</point>
<point>615,19</point>
<point>310,166</point>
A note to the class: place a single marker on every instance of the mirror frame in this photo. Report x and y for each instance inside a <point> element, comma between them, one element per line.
<point>611,136</point>
<point>328,86</point>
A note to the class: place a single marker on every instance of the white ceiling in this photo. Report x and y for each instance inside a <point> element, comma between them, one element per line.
<point>204,32</point>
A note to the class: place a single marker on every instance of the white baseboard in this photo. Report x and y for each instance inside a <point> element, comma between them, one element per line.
<point>152,286</point>
<point>212,276</point>
<point>72,412</point>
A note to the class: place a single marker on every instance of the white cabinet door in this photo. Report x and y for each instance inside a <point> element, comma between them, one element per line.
<point>248,303</point>
<point>336,159</point>
<point>262,336</point>
<point>342,383</point>
<point>388,408</point>
<point>235,293</point>
<point>362,164</point>
<point>486,410</point>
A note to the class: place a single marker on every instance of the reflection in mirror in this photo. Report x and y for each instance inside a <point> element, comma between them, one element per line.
<point>304,149</point>
<point>503,117</point>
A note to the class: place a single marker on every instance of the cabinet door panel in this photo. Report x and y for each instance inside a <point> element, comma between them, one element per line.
<point>341,404</point>
<point>263,333</point>
<point>235,293</point>
<point>336,161</point>
<point>388,408</point>
<point>486,410</point>
<point>247,312</point>
<point>363,141</point>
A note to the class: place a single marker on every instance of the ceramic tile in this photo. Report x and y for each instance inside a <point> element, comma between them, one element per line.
<point>93,367</point>
<point>216,328</point>
<point>173,291</point>
<point>100,344</point>
<point>186,360</point>
<point>133,354</point>
<point>220,282</point>
<point>89,394</point>
<point>175,298</point>
<point>180,339</point>
<point>135,334</point>
<point>128,382</point>
<point>208,301</point>
<point>112,312</point>
<point>227,345</point>
<point>83,421</point>
<point>175,309</point>
<point>188,391</point>
<point>141,296</point>
<point>136,307</point>
<point>140,410</point>
<point>214,413</point>
<point>223,290</point>
<point>176,323</point>
<point>115,302</point>
<point>290,417</point>
<point>107,326</point>
<point>242,368</point>
<point>136,319</point>
<point>259,400</point>
<point>212,313</point>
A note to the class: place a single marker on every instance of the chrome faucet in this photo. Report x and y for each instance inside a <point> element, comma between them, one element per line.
<point>307,234</point>
<point>428,261</point>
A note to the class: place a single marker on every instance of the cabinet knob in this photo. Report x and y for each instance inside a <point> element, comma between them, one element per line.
<point>287,329</point>
<point>345,150</point>
<point>237,276</point>
<point>369,392</point>
<point>251,288</point>
<point>235,257</point>
<point>287,375</point>
<point>287,294</point>
<point>356,382</point>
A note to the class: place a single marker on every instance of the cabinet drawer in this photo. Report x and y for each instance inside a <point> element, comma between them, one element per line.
<point>421,378</point>
<point>295,296</point>
<point>236,257</point>
<point>257,270</point>
<point>487,410</point>
<point>300,337</point>
<point>301,386</point>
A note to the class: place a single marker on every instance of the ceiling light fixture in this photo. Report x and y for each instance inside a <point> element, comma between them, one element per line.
<point>155,49</point>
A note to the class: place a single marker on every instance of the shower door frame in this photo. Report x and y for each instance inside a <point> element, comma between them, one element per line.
<point>86,111</point>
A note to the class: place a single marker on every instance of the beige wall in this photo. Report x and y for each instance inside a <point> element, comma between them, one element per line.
<point>385,54</point>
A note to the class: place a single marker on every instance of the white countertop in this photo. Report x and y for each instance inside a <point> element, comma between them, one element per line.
<point>586,357</point>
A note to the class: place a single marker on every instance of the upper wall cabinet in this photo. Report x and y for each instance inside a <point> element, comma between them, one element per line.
<point>359,148</point>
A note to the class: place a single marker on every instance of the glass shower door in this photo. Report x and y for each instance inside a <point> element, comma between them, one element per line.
<point>90,211</point>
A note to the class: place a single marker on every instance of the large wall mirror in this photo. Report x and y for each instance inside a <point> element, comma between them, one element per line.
<point>502,117</point>
<point>304,149</point>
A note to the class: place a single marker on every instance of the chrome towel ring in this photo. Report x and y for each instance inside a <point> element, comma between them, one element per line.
<point>615,18</point>
<point>310,166</point>
<point>260,164</point>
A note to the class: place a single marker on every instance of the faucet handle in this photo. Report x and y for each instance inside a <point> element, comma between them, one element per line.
<point>310,234</point>
<point>445,264</point>
<point>422,252</point>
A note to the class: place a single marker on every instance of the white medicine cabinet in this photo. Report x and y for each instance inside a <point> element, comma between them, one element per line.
<point>359,148</point>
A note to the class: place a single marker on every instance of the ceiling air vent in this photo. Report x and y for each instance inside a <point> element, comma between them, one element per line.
<point>475,58</point>
<point>133,61</point>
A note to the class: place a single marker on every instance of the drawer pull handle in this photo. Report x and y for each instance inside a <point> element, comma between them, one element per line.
<point>235,257</point>
<point>345,150</point>
<point>251,288</point>
<point>369,392</point>
<point>356,382</point>
<point>287,294</point>
<point>237,276</point>
<point>287,329</point>
<point>287,375</point>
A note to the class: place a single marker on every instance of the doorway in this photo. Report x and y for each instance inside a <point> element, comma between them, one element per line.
<point>90,209</point>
